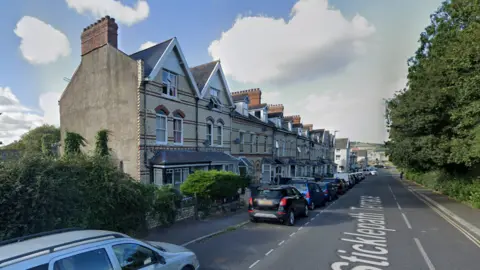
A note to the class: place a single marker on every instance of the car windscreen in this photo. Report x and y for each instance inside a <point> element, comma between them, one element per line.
<point>302,187</point>
<point>271,193</point>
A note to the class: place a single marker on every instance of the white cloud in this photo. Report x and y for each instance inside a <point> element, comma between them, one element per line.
<point>147,45</point>
<point>122,13</point>
<point>40,42</point>
<point>15,119</point>
<point>49,105</point>
<point>315,41</point>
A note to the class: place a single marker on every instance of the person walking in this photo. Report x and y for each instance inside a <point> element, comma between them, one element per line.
<point>401,175</point>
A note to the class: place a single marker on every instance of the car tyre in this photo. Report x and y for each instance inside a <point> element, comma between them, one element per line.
<point>306,211</point>
<point>290,221</point>
<point>253,220</point>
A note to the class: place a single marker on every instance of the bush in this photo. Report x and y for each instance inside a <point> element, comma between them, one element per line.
<point>463,189</point>
<point>213,185</point>
<point>39,193</point>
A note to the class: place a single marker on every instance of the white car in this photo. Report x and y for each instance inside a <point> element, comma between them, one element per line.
<point>373,172</point>
<point>92,249</point>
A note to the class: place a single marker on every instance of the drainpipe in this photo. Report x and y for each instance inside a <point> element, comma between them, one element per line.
<point>197,99</point>
<point>145,163</point>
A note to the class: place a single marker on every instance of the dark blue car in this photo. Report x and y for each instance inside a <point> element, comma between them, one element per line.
<point>311,191</point>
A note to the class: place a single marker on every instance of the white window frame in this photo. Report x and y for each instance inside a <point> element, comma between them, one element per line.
<point>241,137</point>
<point>165,130</point>
<point>211,132</point>
<point>283,147</point>
<point>252,138</point>
<point>181,130</point>
<point>214,90</point>
<point>245,109</point>
<point>221,134</point>
<point>168,83</point>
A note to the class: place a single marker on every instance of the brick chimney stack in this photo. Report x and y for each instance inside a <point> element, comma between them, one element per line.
<point>275,108</point>
<point>309,127</point>
<point>99,34</point>
<point>296,119</point>
<point>255,95</point>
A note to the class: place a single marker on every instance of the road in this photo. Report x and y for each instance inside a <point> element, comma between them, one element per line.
<point>379,224</point>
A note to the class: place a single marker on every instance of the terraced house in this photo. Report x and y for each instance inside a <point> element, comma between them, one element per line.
<point>166,119</point>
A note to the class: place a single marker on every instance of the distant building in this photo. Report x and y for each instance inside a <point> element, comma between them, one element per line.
<point>362,158</point>
<point>342,154</point>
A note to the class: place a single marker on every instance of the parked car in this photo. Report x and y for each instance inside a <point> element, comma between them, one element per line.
<point>310,191</point>
<point>346,177</point>
<point>360,175</point>
<point>373,172</point>
<point>283,203</point>
<point>92,249</point>
<point>338,183</point>
<point>329,190</point>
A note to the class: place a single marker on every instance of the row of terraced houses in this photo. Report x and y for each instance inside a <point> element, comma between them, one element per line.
<point>168,120</point>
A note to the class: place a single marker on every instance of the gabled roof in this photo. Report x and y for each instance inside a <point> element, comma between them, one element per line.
<point>150,56</point>
<point>251,118</point>
<point>341,143</point>
<point>203,74</point>
<point>156,56</point>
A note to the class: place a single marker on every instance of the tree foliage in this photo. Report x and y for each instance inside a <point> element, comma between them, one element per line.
<point>434,121</point>
<point>101,143</point>
<point>213,185</point>
<point>37,140</point>
<point>73,143</point>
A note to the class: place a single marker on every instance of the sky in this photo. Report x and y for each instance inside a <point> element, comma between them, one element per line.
<point>331,62</point>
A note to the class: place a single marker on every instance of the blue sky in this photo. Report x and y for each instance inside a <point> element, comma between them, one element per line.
<point>366,63</point>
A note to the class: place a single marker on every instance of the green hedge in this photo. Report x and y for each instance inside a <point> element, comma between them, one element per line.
<point>462,189</point>
<point>39,193</point>
<point>214,185</point>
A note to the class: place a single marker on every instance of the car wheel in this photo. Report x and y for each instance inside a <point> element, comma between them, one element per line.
<point>291,218</point>
<point>188,267</point>
<point>312,206</point>
<point>253,220</point>
<point>306,211</point>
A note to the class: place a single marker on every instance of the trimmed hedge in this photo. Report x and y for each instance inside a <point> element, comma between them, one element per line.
<point>39,193</point>
<point>462,189</point>
<point>213,185</point>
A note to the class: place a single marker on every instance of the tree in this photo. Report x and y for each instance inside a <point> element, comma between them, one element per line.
<point>101,144</point>
<point>34,142</point>
<point>73,143</point>
<point>434,121</point>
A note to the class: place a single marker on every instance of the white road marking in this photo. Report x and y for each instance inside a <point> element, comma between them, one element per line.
<point>312,219</point>
<point>300,228</point>
<point>253,264</point>
<point>424,254</point>
<point>318,214</point>
<point>395,198</point>
<point>271,250</point>
<point>399,207</point>
<point>283,241</point>
<point>406,221</point>
<point>292,234</point>
<point>307,223</point>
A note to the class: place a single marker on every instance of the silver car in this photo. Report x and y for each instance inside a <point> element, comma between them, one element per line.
<point>74,249</point>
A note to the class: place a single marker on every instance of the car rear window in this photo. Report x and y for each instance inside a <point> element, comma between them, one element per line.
<point>302,187</point>
<point>272,193</point>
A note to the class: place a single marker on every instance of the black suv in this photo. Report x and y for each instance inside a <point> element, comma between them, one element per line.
<point>282,203</point>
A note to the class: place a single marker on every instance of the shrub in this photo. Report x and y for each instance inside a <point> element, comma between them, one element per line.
<point>213,185</point>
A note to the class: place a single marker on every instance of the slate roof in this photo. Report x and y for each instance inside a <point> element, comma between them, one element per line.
<point>201,73</point>
<point>168,157</point>
<point>258,106</point>
<point>239,98</point>
<point>150,56</point>
<point>251,118</point>
<point>275,115</point>
<point>341,143</point>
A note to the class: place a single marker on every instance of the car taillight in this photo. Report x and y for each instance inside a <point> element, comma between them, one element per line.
<point>307,195</point>
<point>250,201</point>
<point>283,202</point>
<point>325,191</point>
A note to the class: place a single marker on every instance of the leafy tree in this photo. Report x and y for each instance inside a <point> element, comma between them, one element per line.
<point>101,144</point>
<point>434,121</point>
<point>73,143</point>
<point>33,141</point>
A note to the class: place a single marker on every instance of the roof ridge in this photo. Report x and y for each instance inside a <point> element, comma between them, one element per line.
<point>156,45</point>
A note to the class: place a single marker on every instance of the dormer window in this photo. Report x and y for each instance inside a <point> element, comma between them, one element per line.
<point>263,115</point>
<point>279,122</point>
<point>289,126</point>
<point>245,109</point>
<point>215,103</point>
<point>214,92</point>
<point>258,114</point>
<point>299,131</point>
<point>170,84</point>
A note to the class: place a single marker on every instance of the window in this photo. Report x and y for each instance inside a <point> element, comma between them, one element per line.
<point>337,157</point>
<point>251,142</point>
<point>283,148</point>
<point>178,130</point>
<point>220,135</point>
<point>242,140</point>
<point>176,176</point>
<point>133,256</point>
<point>245,109</point>
<point>95,259</point>
<point>209,135</point>
<point>258,114</point>
<point>214,92</point>
<point>256,144</point>
<point>170,82</point>
<point>277,148</point>
<point>161,128</point>
<point>265,145</point>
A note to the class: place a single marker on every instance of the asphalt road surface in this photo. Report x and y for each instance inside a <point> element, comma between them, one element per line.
<point>378,224</point>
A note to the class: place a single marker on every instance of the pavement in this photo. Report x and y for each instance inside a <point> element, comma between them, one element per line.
<point>380,224</point>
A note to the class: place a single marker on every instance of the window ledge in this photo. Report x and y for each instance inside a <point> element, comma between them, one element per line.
<point>161,143</point>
